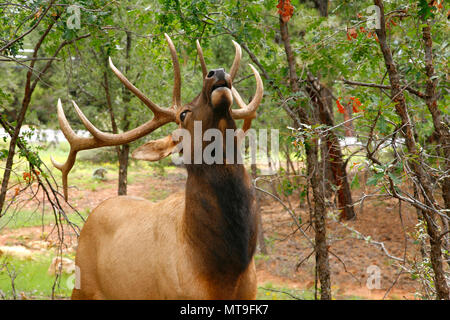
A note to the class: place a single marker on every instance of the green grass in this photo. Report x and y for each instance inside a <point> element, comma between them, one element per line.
<point>81,174</point>
<point>268,291</point>
<point>261,257</point>
<point>32,278</point>
<point>21,219</point>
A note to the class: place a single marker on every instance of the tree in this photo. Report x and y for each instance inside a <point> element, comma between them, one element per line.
<point>46,17</point>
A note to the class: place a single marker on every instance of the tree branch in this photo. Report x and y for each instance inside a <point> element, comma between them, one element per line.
<point>382,86</point>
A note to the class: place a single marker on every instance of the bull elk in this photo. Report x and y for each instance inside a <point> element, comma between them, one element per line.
<point>196,244</point>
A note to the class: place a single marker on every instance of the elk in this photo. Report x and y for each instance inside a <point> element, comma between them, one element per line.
<point>196,244</point>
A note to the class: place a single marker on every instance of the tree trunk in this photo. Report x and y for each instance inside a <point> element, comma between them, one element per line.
<point>123,169</point>
<point>349,129</point>
<point>261,241</point>
<point>125,149</point>
<point>321,247</point>
<point>325,168</point>
<point>322,6</point>
<point>319,222</point>
<point>320,97</point>
<point>431,100</point>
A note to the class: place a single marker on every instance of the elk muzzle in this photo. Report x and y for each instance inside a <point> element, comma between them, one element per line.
<point>221,95</point>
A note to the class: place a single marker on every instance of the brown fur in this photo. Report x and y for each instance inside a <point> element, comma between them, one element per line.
<point>131,248</point>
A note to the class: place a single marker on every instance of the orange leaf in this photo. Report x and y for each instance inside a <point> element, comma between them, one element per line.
<point>348,37</point>
<point>339,106</point>
<point>353,33</point>
<point>38,14</point>
<point>285,10</point>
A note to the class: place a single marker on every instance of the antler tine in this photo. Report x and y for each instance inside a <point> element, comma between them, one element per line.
<point>76,142</point>
<point>111,139</point>
<point>247,121</point>
<point>248,112</point>
<point>153,106</point>
<point>65,169</point>
<point>237,60</point>
<point>202,59</point>
<point>176,100</point>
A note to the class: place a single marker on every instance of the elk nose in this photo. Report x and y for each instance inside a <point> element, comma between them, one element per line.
<point>218,74</point>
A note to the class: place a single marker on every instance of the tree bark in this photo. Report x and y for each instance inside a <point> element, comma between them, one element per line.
<point>325,170</point>
<point>261,241</point>
<point>438,121</point>
<point>443,134</point>
<point>322,6</point>
<point>348,113</point>
<point>125,149</point>
<point>319,223</point>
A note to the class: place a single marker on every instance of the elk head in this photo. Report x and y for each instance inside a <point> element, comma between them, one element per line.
<point>212,107</point>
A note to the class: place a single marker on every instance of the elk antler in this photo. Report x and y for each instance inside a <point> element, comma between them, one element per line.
<point>246,112</point>
<point>102,139</point>
<point>202,59</point>
<point>237,60</point>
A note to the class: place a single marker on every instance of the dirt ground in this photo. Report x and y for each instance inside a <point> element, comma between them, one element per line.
<point>349,257</point>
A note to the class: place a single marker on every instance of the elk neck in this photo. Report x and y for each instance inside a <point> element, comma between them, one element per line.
<point>219,218</point>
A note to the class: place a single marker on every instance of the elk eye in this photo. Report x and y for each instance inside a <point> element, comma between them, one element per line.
<point>183,115</point>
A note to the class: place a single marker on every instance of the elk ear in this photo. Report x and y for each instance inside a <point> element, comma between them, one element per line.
<point>155,150</point>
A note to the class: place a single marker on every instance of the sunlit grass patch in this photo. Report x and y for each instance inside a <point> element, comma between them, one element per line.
<point>32,280</point>
<point>268,291</point>
<point>26,218</point>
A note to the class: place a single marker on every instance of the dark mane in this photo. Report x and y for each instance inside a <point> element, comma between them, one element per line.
<point>223,226</point>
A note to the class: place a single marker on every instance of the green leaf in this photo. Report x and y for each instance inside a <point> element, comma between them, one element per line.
<point>425,11</point>
<point>395,179</point>
<point>69,34</point>
<point>355,182</point>
<point>373,180</point>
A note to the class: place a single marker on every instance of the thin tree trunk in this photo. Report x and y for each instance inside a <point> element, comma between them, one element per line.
<point>125,149</point>
<point>421,219</point>
<point>261,241</point>
<point>321,247</point>
<point>348,113</point>
<point>322,6</point>
<point>431,100</point>
<point>123,169</point>
<point>325,167</point>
